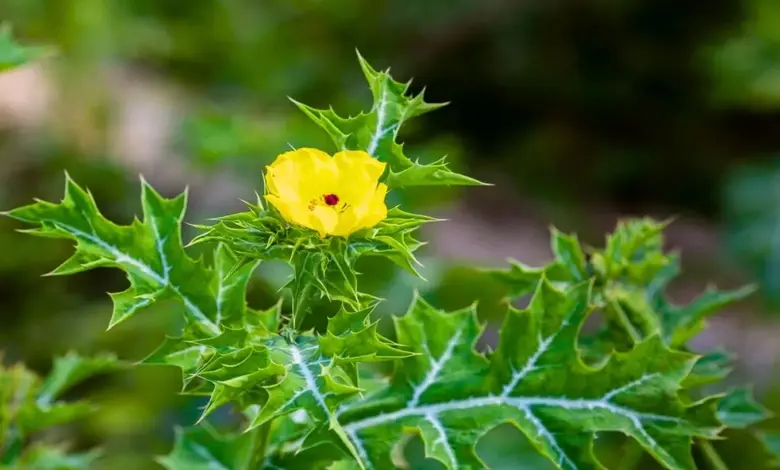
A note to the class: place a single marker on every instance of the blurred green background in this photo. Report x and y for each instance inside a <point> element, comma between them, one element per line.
<point>580,111</point>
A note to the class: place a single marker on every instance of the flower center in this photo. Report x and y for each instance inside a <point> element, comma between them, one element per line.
<point>330,199</point>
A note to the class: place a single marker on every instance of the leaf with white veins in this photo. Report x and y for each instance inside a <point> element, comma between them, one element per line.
<point>376,131</point>
<point>150,252</point>
<point>535,380</point>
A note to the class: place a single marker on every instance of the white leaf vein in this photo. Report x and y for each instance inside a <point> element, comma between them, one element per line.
<point>542,431</point>
<point>124,258</point>
<point>442,439</point>
<point>435,369</point>
<point>381,115</point>
<point>308,377</point>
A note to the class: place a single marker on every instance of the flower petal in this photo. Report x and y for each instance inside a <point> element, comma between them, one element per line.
<point>358,159</point>
<point>320,173</point>
<point>299,174</point>
<point>377,208</point>
<point>292,211</point>
<point>348,223</point>
<point>325,219</point>
<point>358,174</point>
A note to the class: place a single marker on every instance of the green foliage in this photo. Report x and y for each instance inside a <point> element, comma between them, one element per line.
<point>630,277</point>
<point>326,267</point>
<point>376,131</point>
<point>31,405</point>
<point>12,54</point>
<point>535,380</point>
<point>310,396</point>
<point>738,409</point>
<point>150,252</point>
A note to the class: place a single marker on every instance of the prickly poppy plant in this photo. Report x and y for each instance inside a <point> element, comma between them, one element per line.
<point>314,398</point>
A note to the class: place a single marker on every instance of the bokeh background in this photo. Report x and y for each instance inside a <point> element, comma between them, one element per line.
<point>580,111</point>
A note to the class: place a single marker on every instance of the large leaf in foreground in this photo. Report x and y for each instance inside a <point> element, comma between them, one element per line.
<point>535,380</point>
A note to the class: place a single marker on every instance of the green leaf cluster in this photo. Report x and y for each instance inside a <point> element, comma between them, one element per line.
<point>31,405</point>
<point>630,275</point>
<point>324,267</point>
<point>226,350</point>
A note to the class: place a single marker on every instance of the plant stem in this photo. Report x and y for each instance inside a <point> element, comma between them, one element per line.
<point>262,433</point>
<point>711,455</point>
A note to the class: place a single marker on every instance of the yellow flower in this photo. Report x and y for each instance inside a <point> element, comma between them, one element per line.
<point>336,195</point>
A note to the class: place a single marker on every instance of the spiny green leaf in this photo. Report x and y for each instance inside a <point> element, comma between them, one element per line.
<point>568,252</point>
<point>629,317</point>
<point>682,323</point>
<point>150,253</point>
<point>568,266</point>
<point>435,173</point>
<point>231,279</point>
<point>519,279</point>
<point>711,367</point>
<point>177,352</point>
<point>307,284</point>
<point>633,250</point>
<point>351,338</point>
<point>631,274</point>
<point>193,353</point>
<point>452,395</point>
<point>311,381</point>
<point>263,372</point>
<point>376,131</point>
<point>738,409</point>
<point>313,458</point>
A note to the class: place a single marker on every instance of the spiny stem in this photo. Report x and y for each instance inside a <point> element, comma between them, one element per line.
<point>262,433</point>
<point>711,455</point>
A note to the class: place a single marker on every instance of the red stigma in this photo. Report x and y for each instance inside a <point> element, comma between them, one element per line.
<point>331,199</point>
